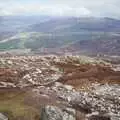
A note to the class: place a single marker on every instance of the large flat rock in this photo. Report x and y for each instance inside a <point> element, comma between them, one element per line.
<point>56,113</point>
<point>3,117</point>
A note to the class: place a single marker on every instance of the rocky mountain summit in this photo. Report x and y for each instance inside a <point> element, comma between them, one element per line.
<point>63,87</point>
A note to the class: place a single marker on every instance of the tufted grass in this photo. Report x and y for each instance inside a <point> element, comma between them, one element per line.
<point>12,104</point>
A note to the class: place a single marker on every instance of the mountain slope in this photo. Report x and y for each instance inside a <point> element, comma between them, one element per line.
<point>109,46</point>
<point>77,25</point>
<point>38,33</point>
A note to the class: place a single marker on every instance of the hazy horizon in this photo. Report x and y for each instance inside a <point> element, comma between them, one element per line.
<point>76,8</point>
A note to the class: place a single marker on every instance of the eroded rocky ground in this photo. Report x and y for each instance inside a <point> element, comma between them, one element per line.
<point>63,88</point>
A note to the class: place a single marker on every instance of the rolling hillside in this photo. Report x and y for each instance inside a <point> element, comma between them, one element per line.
<point>77,25</point>
<point>57,33</point>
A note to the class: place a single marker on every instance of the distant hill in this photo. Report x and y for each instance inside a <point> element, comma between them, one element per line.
<point>77,25</point>
<point>19,23</point>
<point>107,46</point>
<point>38,33</point>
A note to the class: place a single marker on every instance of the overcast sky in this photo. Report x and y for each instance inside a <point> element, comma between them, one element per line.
<point>108,8</point>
